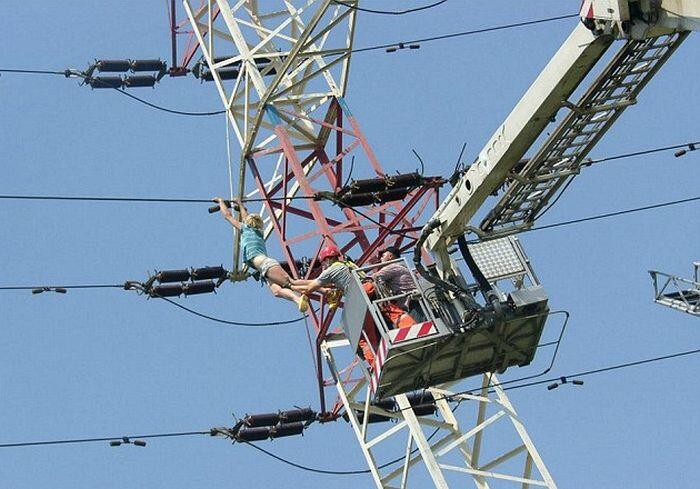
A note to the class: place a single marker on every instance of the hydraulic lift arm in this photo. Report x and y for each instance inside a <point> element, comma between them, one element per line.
<point>652,30</point>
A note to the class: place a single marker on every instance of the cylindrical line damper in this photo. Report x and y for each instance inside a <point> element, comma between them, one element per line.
<point>405,180</point>
<point>388,404</point>
<point>209,273</point>
<point>140,81</point>
<point>169,290</point>
<point>295,415</point>
<point>368,185</point>
<point>254,434</point>
<point>424,409</point>
<point>165,276</point>
<point>287,429</point>
<point>373,417</point>
<point>267,419</point>
<point>106,82</point>
<point>113,65</point>
<point>147,65</point>
<point>420,397</point>
<point>201,287</point>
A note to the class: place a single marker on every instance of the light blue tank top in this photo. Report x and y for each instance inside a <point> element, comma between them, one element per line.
<point>252,243</point>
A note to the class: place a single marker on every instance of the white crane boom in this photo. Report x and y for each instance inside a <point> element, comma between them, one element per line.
<point>652,34</point>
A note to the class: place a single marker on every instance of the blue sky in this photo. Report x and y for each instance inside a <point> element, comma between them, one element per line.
<point>106,362</point>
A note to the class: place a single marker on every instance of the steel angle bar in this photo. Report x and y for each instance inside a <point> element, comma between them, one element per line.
<point>495,475</point>
<point>503,458</point>
<point>470,433</point>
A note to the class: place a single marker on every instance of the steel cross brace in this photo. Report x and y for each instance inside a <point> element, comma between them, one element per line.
<point>454,449</point>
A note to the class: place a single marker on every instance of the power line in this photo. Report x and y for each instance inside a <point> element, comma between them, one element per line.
<point>590,162</point>
<point>584,373</point>
<point>609,369</point>
<point>466,33</point>
<point>449,398</point>
<point>307,468</point>
<point>612,214</point>
<point>297,197</point>
<point>102,439</point>
<point>142,199</point>
<point>390,12</point>
<point>354,472</point>
<point>123,286</point>
<point>232,323</point>
<point>93,286</point>
<point>36,72</point>
<point>155,106</point>
<point>538,228</point>
<point>69,73</point>
<point>642,153</point>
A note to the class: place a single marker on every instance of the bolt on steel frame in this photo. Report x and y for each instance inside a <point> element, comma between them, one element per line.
<point>296,134</point>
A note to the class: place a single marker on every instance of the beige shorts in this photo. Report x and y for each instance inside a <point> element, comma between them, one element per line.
<point>263,264</point>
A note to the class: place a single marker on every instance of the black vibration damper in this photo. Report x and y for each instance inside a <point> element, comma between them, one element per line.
<point>106,82</point>
<point>209,273</point>
<point>165,276</point>
<point>113,65</point>
<point>136,81</point>
<point>295,415</point>
<point>168,290</point>
<point>287,429</point>
<point>267,419</point>
<point>202,287</point>
<point>254,434</point>
<point>147,65</point>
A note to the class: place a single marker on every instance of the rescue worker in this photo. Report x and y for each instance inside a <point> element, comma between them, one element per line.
<point>397,278</point>
<point>336,276</point>
<point>255,254</point>
<point>337,273</point>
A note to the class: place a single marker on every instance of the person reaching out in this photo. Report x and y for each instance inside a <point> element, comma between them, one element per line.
<point>255,256</point>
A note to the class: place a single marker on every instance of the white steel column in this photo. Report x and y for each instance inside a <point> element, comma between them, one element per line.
<point>451,444</point>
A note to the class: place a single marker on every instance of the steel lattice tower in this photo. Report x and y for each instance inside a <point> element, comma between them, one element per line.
<point>281,70</point>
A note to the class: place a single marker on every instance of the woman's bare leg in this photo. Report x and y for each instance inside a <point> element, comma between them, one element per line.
<point>283,293</point>
<point>277,275</point>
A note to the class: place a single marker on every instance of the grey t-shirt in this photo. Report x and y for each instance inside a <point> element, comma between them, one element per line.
<point>338,274</point>
<point>396,277</point>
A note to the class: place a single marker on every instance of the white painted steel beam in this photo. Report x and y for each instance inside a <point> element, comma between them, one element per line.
<point>564,73</point>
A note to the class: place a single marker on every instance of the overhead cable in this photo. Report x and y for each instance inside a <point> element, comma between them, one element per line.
<point>298,197</point>
<point>466,33</point>
<point>155,106</point>
<point>453,395</point>
<point>612,214</point>
<point>142,199</point>
<point>355,472</point>
<point>92,286</point>
<point>69,73</point>
<point>390,12</point>
<point>102,439</point>
<point>130,285</point>
<point>232,323</point>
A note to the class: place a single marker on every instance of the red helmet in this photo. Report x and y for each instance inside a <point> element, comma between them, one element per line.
<point>328,252</point>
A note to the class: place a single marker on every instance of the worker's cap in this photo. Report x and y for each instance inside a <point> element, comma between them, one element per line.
<point>391,249</point>
<point>329,251</point>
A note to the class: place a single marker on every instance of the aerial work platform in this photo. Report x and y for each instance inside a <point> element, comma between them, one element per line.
<point>448,343</point>
<point>676,292</point>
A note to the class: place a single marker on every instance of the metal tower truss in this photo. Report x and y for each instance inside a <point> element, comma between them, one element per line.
<point>484,440</point>
<point>676,292</point>
<point>281,69</point>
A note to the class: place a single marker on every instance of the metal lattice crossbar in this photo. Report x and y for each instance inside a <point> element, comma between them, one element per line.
<point>563,154</point>
<point>456,448</point>
<point>676,292</point>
